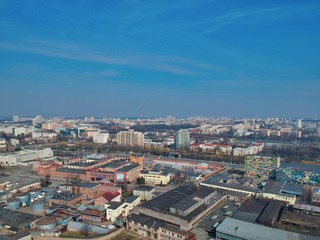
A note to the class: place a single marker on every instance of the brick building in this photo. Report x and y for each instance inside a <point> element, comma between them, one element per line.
<point>106,169</point>
<point>65,198</point>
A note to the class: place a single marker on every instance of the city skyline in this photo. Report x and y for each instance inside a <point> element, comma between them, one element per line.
<point>160,58</point>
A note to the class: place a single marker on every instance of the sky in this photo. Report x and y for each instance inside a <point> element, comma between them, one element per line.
<point>156,58</point>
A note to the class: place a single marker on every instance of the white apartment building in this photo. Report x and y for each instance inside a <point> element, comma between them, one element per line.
<point>3,143</point>
<point>19,131</point>
<point>252,150</point>
<point>101,137</point>
<point>6,129</point>
<point>246,151</point>
<point>15,118</point>
<point>52,126</point>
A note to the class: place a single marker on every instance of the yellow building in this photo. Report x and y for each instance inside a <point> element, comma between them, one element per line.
<point>291,199</point>
<point>156,178</point>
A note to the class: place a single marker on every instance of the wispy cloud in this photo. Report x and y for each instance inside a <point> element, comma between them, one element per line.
<point>80,52</point>
<point>106,73</point>
<point>253,14</point>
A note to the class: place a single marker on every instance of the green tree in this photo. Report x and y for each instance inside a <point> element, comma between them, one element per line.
<point>141,180</point>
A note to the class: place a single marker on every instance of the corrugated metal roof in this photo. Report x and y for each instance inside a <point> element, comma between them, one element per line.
<point>246,230</point>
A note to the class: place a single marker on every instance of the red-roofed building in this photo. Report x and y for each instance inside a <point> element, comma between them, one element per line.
<point>108,197</point>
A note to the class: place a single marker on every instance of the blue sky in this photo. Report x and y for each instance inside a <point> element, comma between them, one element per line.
<point>181,58</point>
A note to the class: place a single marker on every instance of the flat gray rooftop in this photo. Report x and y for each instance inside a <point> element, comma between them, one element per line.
<point>86,184</point>
<point>71,170</point>
<point>251,231</point>
<point>166,200</point>
<point>16,219</point>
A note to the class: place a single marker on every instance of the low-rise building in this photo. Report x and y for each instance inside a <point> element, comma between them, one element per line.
<point>128,173</point>
<point>93,214</point>
<point>111,170</point>
<point>115,209</point>
<point>137,159</point>
<point>145,192</point>
<point>133,201</point>
<point>65,198</point>
<point>154,228</point>
<point>273,190</point>
<point>90,228</point>
<point>16,220</point>
<point>315,195</point>
<point>156,177</point>
<point>183,206</point>
<point>88,189</point>
<point>3,143</point>
<point>306,209</point>
<point>108,197</point>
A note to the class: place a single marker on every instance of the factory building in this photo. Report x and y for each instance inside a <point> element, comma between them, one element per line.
<point>154,228</point>
<point>183,206</point>
<point>280,191</point>
<point>24,156</point>
<point>111,170</point>
<point>234,229</point>
<point>65,198</point>
<point>88,189</point>
<point>16,220</point>
<point>272,190</point>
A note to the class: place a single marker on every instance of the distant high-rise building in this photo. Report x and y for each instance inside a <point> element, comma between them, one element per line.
<point>182,139</point>
<point>15,118</point>
<point>261,166</point>
<point>101,137</point>
<point>89,119</point>
<point>130,138</point>
<point>299,123</point>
